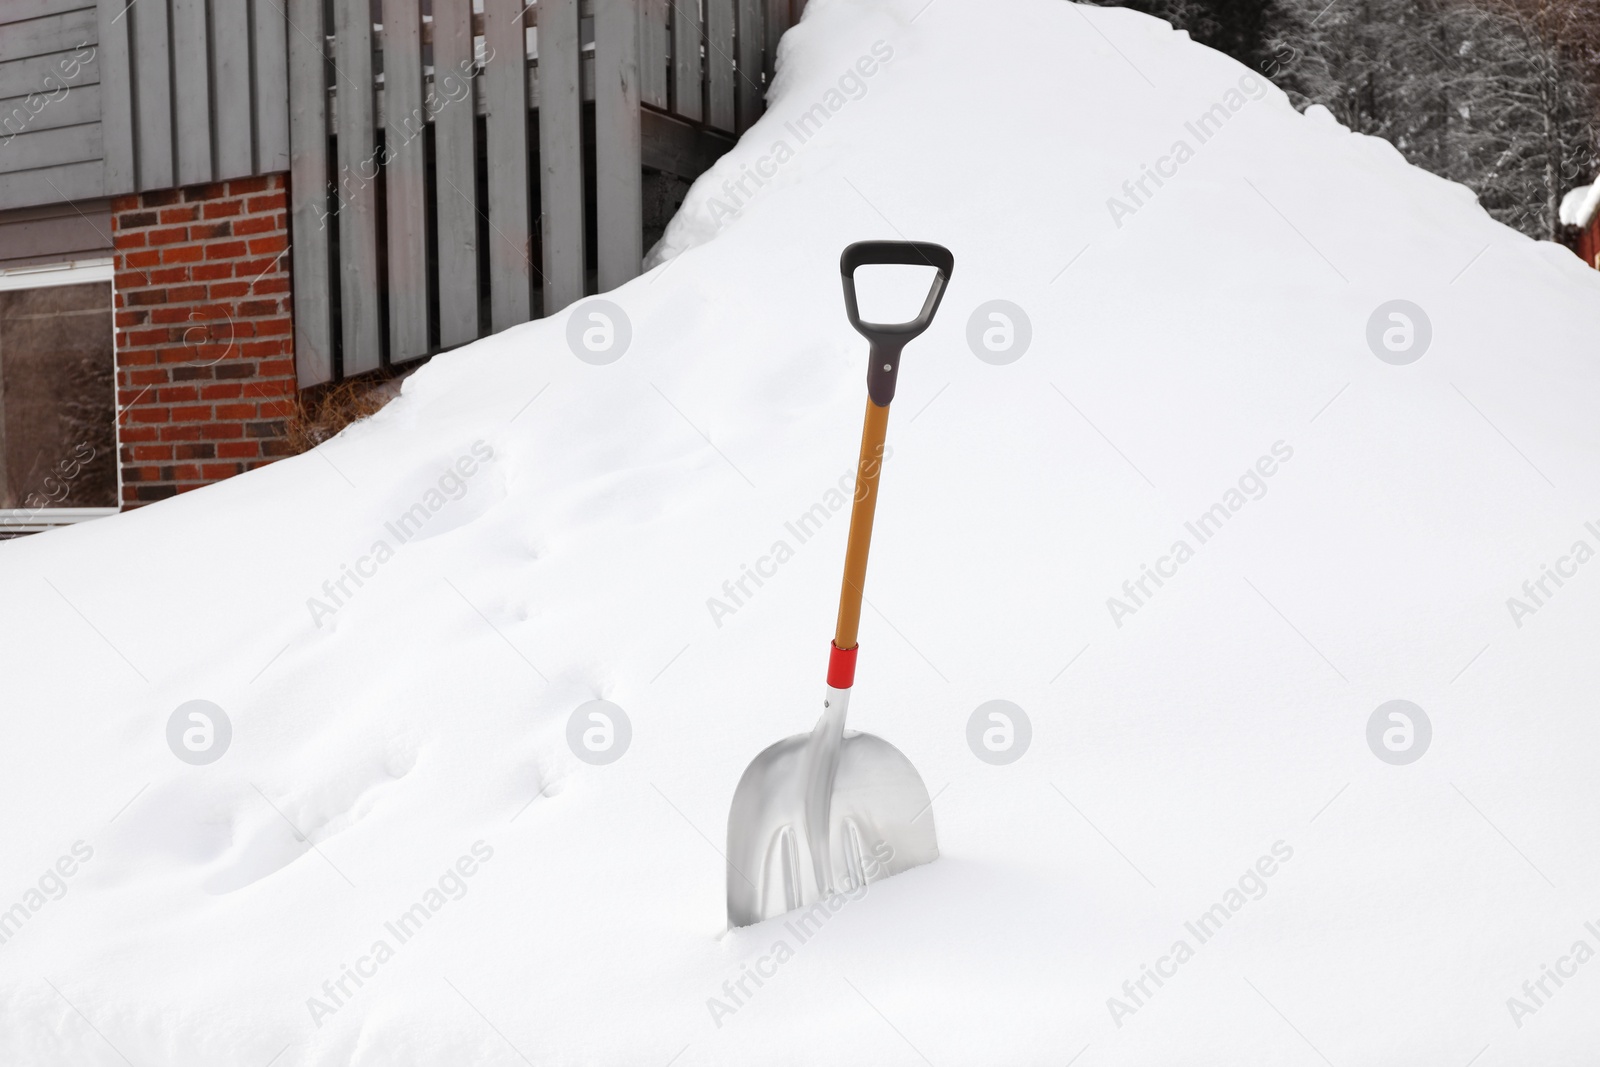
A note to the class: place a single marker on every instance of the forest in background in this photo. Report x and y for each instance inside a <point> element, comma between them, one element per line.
<point>1502,96</point>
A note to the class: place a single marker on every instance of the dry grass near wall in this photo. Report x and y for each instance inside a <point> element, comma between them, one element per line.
<point>322,411</point>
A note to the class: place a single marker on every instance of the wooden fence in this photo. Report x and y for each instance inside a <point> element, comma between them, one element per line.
<point>424,135</point>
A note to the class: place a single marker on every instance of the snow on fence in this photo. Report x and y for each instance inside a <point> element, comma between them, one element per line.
<point>424,134</point>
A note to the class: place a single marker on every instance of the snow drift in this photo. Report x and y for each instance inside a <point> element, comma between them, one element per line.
<point>1200,858</point>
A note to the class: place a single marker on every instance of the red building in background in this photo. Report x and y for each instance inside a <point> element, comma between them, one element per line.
<point>1581,208</point>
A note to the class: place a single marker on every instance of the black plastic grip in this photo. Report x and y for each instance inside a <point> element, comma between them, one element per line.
<point>887,339</point>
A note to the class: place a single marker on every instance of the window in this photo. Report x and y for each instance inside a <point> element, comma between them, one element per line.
<point>58,418</point>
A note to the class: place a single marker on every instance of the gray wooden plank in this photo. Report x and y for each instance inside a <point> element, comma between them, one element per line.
<point>505,86</point>
<point>777,22</point>
<point>560,154</point>
<point>61,32</point>
<point>619,191</point>
<point>752,41</point>
<point>191,86</point>
<point>153,94</point>
<point>406,179</point>
<point>720,107</point>
<point>19,77</point>
<point>28,114</point>
<point>235,122</point>
<point>308,193</point>
<point>49,148</point>
<point>655,50</point>
<point>19,10</point>
<point>455,133</point>
<point>269,34</point>
<point>686,86</point>
<point>49,185</point>
<point>356,188</point>
<point>117,129</point>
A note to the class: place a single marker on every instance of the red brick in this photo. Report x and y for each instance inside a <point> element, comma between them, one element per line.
<point>238,449</point>
<point>154,376</point>
<point>133,239</point>
<point>147,258</point>
<point>177,394</point>
<point>249,185</point>
<point>273,367</point>
<point>271,388</point>
<point>280,409</point>
<point>272,284</point>
<point>221,209</point>
<point>185,254</point>
<point>210,191</point>
<point>222,391</point>
<point>202,450</point>
<point>257,349</point>
<point>208,272</point>
<point>133,220</point>
<point>131,434</point>
<point>220,431</point>
<point>128,202</point>
<point>168,275</point>
<point>187,213</point>
<point>185,293</point>
<point>169,236</point>
<point>128,358</point>
<point>271,327</point>
<point>260,246</point>
<point>147,337</point>
<point>132,318</point>
<point>192,413</point>
<point>257,308</point>
<point>160,197</point>
<point>217,471</point>
<point>225,249</point>
<point>148,415</point>
<point>227,290</point>
<point>211,231</point>
<point>169,315</point>
<point>263,224</point>
<point>183,431</point>
<point>151,452</point>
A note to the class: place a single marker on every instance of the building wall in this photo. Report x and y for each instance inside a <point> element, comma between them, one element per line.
<point>205,341</point>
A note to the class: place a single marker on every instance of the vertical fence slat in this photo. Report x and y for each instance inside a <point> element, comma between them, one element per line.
<point>405,178</point>
<point>777,22</point>
<point>357,187</point>
<point>752,39</point>
<point>154,94</point>
<point>720,111</point>
<point>654,49</point>
<point>455,179</point>
<point>619,189</point>
<point>270,38</point>
<point>235,133</point>
<point>505,79</point>
<point>560,154</point>
<point>308,187</point>
<point>191,90</point>
<point>686,59</point>
<point>116,98</point>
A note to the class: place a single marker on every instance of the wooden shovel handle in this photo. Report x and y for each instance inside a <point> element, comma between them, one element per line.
<point>874,429</point>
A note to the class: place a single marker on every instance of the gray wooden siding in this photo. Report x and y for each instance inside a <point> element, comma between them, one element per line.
<point>102,98</point>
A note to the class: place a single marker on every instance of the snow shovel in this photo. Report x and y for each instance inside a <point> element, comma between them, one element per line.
<point>825,813</point>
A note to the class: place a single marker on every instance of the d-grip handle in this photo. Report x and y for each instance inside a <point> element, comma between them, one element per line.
<point>887,339</point>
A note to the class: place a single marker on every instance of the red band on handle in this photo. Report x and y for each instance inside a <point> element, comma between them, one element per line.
<point>841,666</point>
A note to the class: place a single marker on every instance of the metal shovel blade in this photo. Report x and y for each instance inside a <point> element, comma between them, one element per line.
<point>821,814</point>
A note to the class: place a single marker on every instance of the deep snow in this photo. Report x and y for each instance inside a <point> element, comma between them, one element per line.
<point>1218,726</point>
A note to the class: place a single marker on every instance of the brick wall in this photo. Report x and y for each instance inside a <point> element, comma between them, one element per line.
<point>205,344</point>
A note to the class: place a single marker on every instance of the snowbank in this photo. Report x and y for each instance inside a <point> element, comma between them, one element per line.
<point>1213,850</point>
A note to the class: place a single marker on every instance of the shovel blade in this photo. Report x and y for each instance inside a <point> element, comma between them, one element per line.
<point>878,822</point>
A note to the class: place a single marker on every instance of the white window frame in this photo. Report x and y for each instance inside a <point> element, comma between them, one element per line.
<point>73,272</point>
